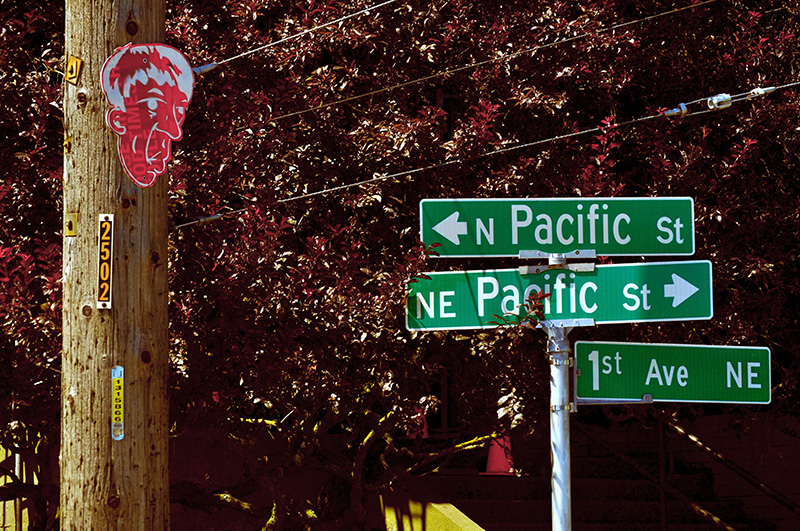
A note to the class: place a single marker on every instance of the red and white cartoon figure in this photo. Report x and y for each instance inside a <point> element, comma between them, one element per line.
<point>148,87</point>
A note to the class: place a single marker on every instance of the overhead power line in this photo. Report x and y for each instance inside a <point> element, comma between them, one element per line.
<point>506,57</point>
<point>212,66</point>
<point>713,103</point>
<point>722,101</point>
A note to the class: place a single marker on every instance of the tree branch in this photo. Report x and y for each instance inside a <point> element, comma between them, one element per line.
<point>194,496</point>
<point>19,489</point>
<point>424,459</point>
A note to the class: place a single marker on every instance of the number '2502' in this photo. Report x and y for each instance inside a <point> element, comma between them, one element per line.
<point>105,252</point>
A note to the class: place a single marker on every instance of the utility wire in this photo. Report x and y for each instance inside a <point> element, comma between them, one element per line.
<point>406,173</point>
<point>207,68</point>
<point>212,66</point>
<point>438,165</point>
<point>723,101</point>
<point>713,103</point>
<point>493,60</point>
<point>717,102</point>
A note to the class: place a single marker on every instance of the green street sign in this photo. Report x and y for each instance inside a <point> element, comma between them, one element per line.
<point>611,226</point>
<point>623,293</point>
<point>672,373</point>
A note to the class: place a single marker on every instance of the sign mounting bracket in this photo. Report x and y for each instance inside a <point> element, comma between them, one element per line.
<point>557,261</point>
<point>577,253</point>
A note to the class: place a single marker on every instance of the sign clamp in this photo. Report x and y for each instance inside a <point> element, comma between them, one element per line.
<point>577,253</point>
<point>565,323</point>
<point>646,398</point>
<point>557,261</point>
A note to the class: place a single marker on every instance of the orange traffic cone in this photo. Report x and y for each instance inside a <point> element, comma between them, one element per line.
<point>500,461</point>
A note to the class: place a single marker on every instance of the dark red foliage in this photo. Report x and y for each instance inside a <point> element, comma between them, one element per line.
<point>290,308</point>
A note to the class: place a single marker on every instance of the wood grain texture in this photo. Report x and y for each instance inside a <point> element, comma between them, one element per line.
<point>107,484</point>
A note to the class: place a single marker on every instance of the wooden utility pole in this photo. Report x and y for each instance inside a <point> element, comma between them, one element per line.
<point>109,484</point>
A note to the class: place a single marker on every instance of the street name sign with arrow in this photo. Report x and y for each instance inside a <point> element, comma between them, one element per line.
<point>620,293</point>
<point>629,226</point>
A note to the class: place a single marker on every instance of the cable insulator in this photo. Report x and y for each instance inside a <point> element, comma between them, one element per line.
<point>759,91</point>
<point>680,111</point>
<point>200,70</point>
<point>720,101</point>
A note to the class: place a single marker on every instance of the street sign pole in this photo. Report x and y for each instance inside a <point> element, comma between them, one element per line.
<point>558,351</point>
<point>558,354</point>
<point>560,358</point>
<point>578,294</point>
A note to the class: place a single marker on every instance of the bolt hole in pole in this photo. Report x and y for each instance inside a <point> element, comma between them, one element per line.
<point>132,28</point>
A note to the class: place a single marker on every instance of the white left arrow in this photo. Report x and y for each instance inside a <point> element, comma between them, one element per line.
<point>451,228</point>
<point>679,290</point>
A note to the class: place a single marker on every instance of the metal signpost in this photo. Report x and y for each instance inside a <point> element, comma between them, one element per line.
<point>633,226</point>
<point>586,295</point>
<point>579,296</point>
<point>558,353</point>
<point>624,293</point>
<point>625,372</point>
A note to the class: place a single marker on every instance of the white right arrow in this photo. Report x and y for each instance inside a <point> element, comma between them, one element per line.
<point>451,228</point>
<point>679,290</point>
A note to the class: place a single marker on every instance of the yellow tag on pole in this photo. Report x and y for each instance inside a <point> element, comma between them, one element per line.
<point>117,403</point>
<point>74,66</point>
